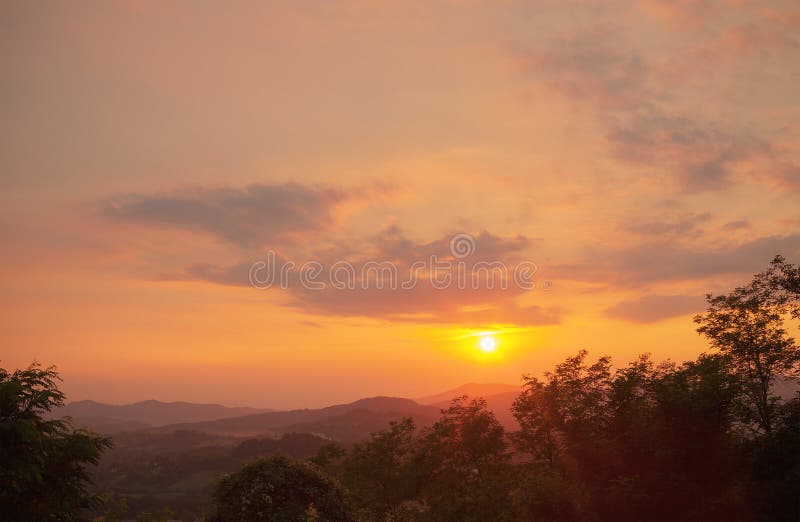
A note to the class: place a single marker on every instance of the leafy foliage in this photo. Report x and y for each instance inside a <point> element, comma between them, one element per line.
<point>462,460</point>
<point>43,463</point>
<point>380,472</point>
<point>747,326</point>
<point>278,489</point>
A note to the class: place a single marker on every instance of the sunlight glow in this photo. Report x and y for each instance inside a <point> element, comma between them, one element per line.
<point>488,344</point>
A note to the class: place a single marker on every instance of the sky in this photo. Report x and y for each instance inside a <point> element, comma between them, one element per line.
<point>637,154</point>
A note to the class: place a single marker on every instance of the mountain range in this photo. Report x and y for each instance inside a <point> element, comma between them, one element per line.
<point>344,423</point>
<point>109,418</point>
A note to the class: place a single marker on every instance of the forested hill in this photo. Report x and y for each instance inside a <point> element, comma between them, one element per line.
<point>343,422</point>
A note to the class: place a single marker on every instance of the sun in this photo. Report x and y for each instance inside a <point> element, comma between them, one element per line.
<point>488,344</point>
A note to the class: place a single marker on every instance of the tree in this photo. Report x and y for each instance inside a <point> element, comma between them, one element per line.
<point>535,410</point>
<point>644,442</point>
<point>328,456</point>
<point>565,408</point>
<point>379,474</point>
<point>747,327</point>
<point>775,481</point>
<point>690,465</point>
<point>279,489</point>
<point>463,465</point>
<point>43,462</point>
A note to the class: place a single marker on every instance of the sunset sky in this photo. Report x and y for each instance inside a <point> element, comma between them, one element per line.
<point>640,153</point>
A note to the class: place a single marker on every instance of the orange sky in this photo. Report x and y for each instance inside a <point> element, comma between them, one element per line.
<point>639,153</point>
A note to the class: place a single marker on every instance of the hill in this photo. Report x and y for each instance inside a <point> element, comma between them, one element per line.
<point>473,390</point>
<point>112,418</point>
<point>178,469</point>
<point>499,404</point>
<point>343,422</point>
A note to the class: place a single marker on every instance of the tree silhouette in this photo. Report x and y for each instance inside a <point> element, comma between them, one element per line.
<point>462,463</point>
<point>279,489</point>
<point>43,463</point>
<point>380,474</point>
<point>747,327</point>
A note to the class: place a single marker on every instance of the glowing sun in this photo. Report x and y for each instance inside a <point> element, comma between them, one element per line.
<point>488,344</point>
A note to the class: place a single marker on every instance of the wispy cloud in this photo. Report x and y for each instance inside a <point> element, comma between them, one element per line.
<point>668,260</point>
<point>699,157</point>
<point>251,216</point>
<point>679,226</point>
<point>654,308</point>
<point>600,72</point>
<point>589,67</point>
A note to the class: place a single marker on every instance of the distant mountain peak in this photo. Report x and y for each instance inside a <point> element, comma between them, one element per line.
<point>472,390</point>
<point>384,400</point>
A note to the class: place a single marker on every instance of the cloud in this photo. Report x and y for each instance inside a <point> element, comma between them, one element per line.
<point>682,14</point>
<point>425,304</point>
<point>393,245</point>
<point>766,27</point>
<point>474,304</point>
<point>787,175</point>
<point>654,308</point>
<point>699,157</point>
<point>775,32</point>
<point>665,261</point>
<point>589,68</point>
<point>234,275</point>
<point>274,217</point>
<point>599,71</point>
<point>680,226</point>
<point>254,215</point>
<point>596,70</point>
<point>736,225</point>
